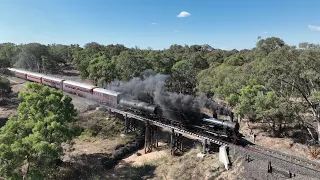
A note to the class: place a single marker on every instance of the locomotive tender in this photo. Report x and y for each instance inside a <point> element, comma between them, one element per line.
<point>201,122</point>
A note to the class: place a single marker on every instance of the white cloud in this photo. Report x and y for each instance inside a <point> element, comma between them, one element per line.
<point>153,23</point>
<point>314,28</point>
<point>266,32</point>
<point>183,14</point>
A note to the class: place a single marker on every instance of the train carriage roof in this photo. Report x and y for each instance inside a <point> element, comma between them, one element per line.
<point>106,91</point>
<point>35,74</point>
<point>52,78</point>
<point>18,70</point>
<point>83,85</point>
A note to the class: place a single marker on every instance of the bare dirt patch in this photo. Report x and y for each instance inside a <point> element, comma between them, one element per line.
<point>90,154</point>
<point>17,84</point>
<point>160,165</point>
<point>142,158</point>
<point>236,172</point>
<point>285,145</point>
<point>80,147</point>
<point>10,103</point>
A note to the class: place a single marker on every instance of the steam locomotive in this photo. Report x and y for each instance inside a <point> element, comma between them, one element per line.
<point>198,122</point>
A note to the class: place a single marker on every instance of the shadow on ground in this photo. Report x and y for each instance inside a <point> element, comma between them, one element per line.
<point>127,171</point>
<point>100,166</point>
<point>298,133</point>
<point>85,166</point>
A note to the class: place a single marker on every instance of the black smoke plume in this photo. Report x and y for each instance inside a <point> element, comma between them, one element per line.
<point>151,88</point>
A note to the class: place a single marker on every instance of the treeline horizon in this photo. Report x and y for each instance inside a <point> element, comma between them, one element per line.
<point>132,47</point>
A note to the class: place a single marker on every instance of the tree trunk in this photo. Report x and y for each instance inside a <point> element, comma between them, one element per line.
<point>310,133</point>
<point>316,114</point>
<point>318,131</point>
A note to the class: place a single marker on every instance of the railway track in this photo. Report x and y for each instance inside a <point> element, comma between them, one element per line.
<point>285,157</point>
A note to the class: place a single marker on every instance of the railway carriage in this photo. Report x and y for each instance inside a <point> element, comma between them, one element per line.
<point>107,97</point>
<point>35,77</point>
<point>53,82</point>
<point>78,88</point>
<point>19,73</point>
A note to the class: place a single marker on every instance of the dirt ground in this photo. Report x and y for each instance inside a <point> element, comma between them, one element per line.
<point>285,145</point>
<point>159,164</point>
<point>142,158</point>
<point>12,101</point>
<point>80,147</point>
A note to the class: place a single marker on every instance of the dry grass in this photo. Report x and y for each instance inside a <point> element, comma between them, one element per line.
<point>89,155</point>
<point>285,145</point>
<point>97,125</point>
<point>9,104</point>
<point>160,165</point>
<point>235,173</point>
<point>314,151</point>
<point>189,166</point>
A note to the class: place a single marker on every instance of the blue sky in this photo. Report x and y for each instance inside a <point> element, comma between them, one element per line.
<point>223,24</point>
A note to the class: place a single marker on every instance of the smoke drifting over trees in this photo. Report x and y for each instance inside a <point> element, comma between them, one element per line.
<point>151,88</point>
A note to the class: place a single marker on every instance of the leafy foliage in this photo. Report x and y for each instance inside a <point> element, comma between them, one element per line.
<point>30,143</point>
<point>4,86</point>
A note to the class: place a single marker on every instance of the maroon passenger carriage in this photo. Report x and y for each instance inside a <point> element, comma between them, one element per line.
<point>35,77</point>
<point>53,82</point>
<point>19,73</point>
<point>78,88</point>
<point>108,97</point>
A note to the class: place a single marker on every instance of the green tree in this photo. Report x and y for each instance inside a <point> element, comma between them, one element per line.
<point>82,60</point>
<point>102,70</point>
<point>246,100</point>
<point>31,56</point>
<point>5,87</point>
<point>223,80</point>
<point>294,74</point>
<point>8,54</point>
<point>183,78</point>
<point>60,53</point>
<point>30,143</point>
<point>160,62</point>
<point>275,111</point>
<point>130,64</point>
<point>48,64</point>
<point>114,50</point>
<point>266,46</point>
<point>261,105</point>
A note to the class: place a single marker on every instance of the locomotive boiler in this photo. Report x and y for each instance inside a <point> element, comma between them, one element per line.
<point>145,108</point>
<point>209,125</point>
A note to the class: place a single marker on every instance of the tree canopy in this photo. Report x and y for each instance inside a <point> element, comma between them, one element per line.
<point>30,143</point>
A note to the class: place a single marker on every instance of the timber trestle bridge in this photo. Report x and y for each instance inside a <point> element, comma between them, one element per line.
<point>177,134</point>
<point>152,132</point>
